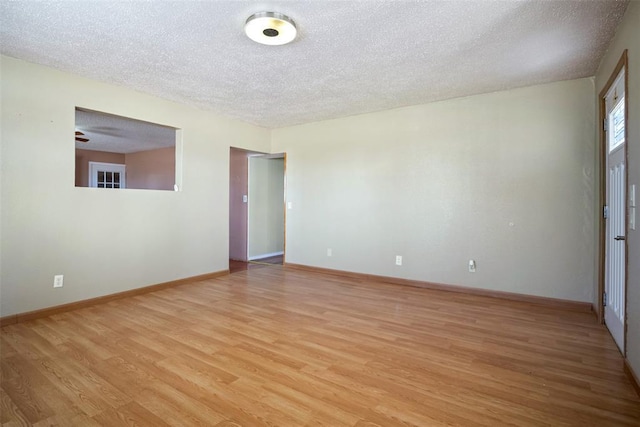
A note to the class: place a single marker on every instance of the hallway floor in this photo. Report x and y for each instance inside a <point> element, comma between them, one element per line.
<point>235,265</point>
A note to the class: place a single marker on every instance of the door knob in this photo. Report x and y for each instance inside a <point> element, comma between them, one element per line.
<point>620,238</point>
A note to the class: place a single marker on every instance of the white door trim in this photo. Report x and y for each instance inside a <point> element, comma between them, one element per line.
<point>623,67</point>
<point>94,167</point>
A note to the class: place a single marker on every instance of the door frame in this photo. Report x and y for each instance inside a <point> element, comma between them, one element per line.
<point>247,155</point>
<point>623,63</point>
<point>283,156</point>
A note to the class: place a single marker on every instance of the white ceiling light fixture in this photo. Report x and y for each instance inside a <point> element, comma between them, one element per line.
<point>270,28</point>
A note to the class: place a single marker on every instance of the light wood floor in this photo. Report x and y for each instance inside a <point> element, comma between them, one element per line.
<point>276,347</point>
<point>235,265</point>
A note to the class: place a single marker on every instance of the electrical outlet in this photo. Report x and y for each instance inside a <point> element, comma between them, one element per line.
<point>398,259</point>
<point>58,281</point>
<point>329,252</point>
<point>472,266</point>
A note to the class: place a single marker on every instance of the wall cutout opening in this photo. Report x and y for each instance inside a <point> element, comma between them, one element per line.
<point>119,152</point>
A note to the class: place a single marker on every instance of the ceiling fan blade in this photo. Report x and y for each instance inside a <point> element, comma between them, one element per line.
<point>82,139</point>
<point>79,133</point>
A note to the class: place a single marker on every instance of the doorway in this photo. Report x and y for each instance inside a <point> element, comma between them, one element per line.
<point>256,209</point>
<point>613,109</point>
<point>265,235</point>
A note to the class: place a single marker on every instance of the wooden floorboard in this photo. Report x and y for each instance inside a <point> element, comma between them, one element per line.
<point>235,265</point>
<point>276,347</point>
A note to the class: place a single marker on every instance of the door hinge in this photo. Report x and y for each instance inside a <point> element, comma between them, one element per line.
<point>604,299</point>
<point>604,124</point>
<point>605,211</point>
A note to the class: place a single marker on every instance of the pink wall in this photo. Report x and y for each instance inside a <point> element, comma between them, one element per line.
<point>238,186</point>
<point>152,170</point>
<point>83,157</point>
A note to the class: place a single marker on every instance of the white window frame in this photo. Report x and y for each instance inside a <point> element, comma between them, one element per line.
<point>94,167</point>
<point>617,128</point>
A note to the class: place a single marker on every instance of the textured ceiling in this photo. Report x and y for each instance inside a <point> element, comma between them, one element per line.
<point>116,134</point>
<point>351,57</point>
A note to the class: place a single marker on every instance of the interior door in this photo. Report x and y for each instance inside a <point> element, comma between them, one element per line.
<point>615,243</point>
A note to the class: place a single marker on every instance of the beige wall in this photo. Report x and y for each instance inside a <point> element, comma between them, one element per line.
<point>503,178</point>
<point>83,157</point>
<point>152,169</point>
<point>104,241</point>
<point>628,37</point>
<point>266,207</point>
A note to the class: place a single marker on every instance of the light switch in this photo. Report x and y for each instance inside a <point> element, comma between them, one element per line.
<point>289,205</point>
<point>244,198</point>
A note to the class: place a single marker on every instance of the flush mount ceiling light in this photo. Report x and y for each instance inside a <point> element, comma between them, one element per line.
<point>270,28</point>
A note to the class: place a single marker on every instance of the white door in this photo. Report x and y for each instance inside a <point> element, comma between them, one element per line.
<point>106,175</point>
<point>615,244</point>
